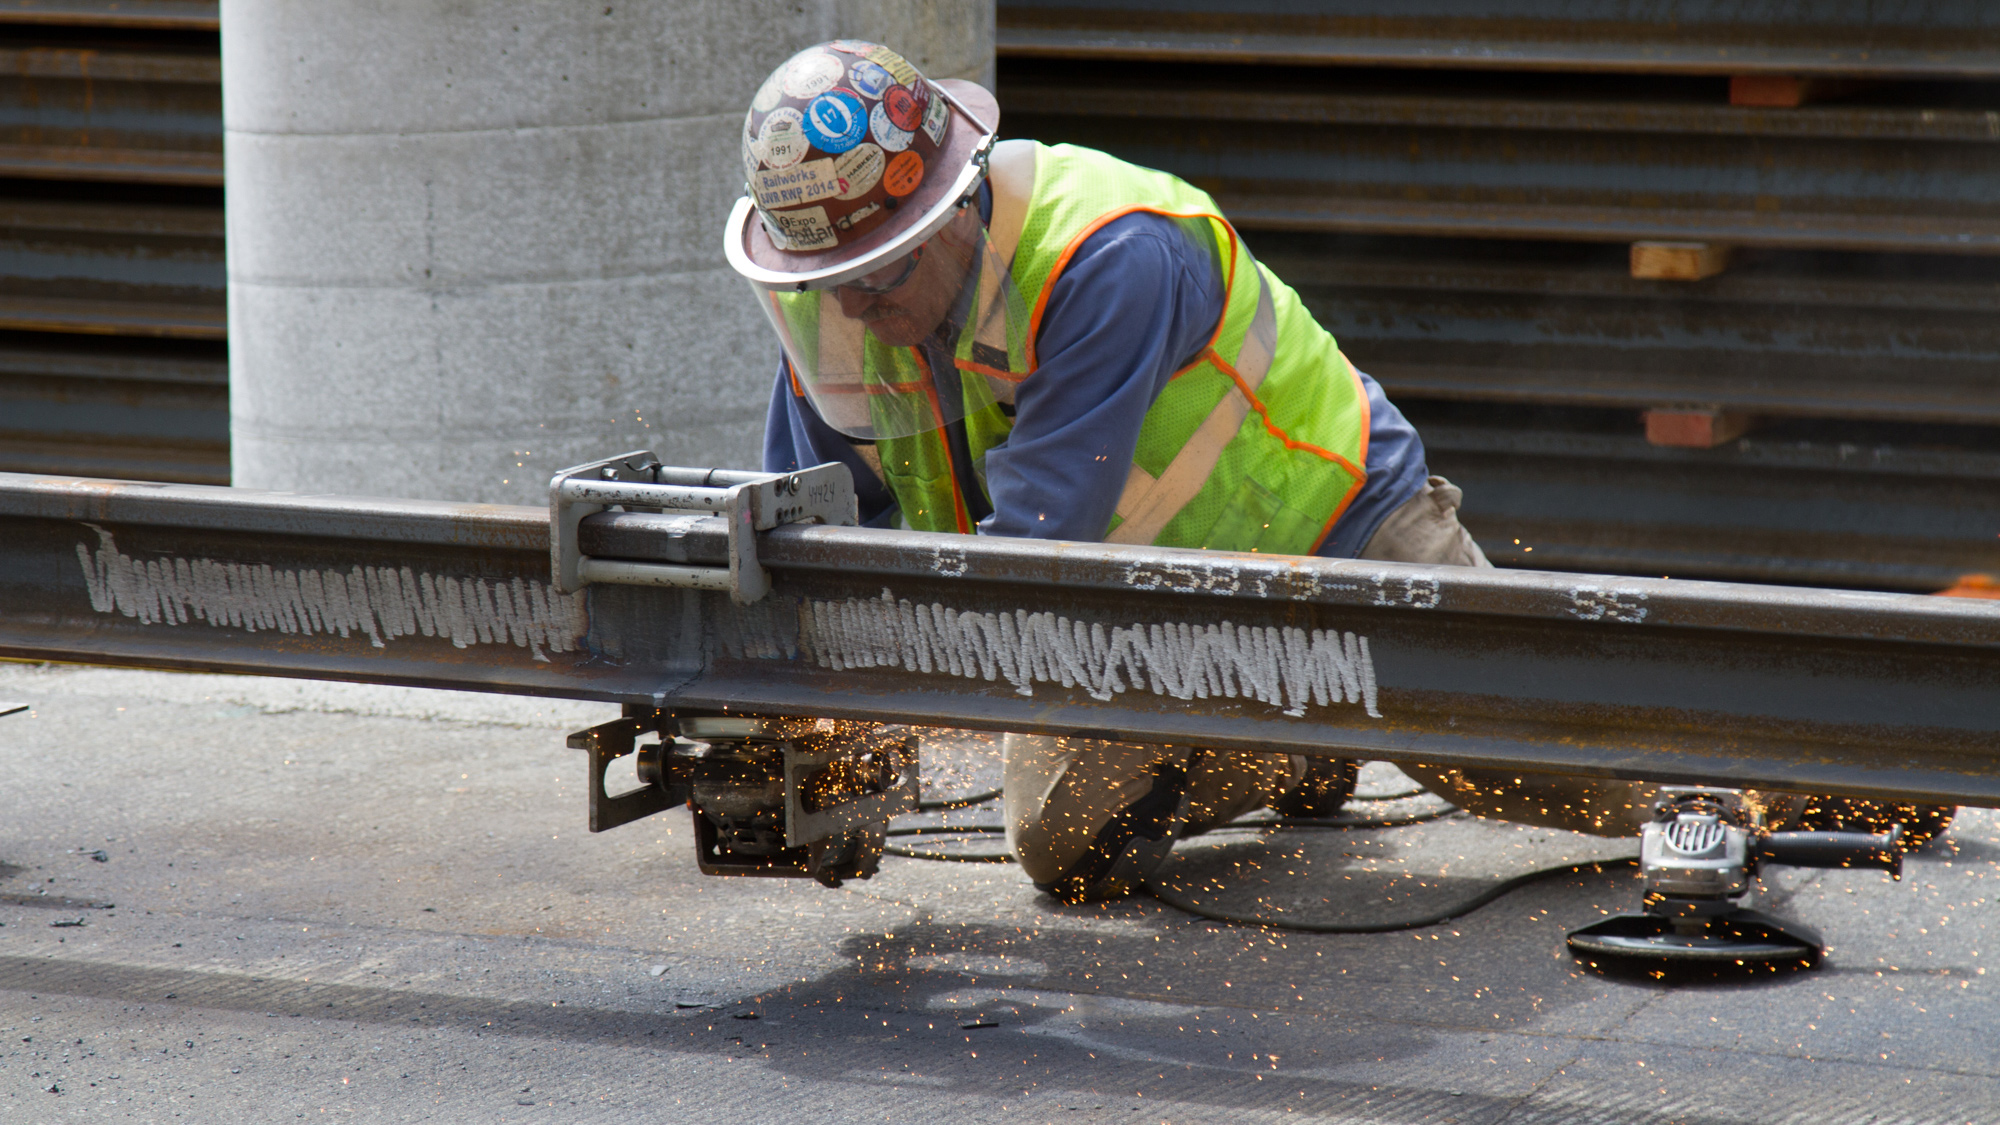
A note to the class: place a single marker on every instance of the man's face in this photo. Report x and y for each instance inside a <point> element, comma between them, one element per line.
<point>905,314</point>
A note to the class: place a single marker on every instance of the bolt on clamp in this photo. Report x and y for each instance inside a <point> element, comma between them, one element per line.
<point>750,502</point>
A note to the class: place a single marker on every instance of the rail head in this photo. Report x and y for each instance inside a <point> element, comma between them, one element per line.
<point>1614,601</point>
<point>1811,690</point>
<point>201,507</point>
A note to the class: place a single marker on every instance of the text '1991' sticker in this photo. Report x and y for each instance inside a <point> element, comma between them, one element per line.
<point>836,121</point>
<point>802,183</point>
<point>803,229</point>
<point>811,74</point>
<point>781,139</point>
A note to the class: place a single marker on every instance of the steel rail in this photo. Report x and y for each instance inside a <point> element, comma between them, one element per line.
<point>1281,206</point>
<point>1440,178</point>
<point>1868,694</point>
<point>149,15</point>
<point>1634,56</point>
<point>1145,94</point>
<point>1525,368</point>
<point>111,239</point>
<point>1942,40</point>
<point>1776,506</point>
<point>1785,334</point>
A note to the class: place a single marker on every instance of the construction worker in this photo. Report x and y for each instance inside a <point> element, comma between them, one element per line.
<point>1047,342</point>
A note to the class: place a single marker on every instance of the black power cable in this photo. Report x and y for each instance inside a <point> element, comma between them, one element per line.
<point>1168,898</point>
<point>1332,824</point>
<point>958,802</point>
<point>1446,915</point>
<point>948,857</point>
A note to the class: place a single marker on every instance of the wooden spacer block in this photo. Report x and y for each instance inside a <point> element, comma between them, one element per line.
<point>1787,91</point>
<point>1678,261</point>
<point>1973,586</point>
<point>1776,91</point>
<point>1695,427</point>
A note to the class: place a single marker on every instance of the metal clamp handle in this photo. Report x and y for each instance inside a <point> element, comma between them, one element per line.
<point>751,502</point>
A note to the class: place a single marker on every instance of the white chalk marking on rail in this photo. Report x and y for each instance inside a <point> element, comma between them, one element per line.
<point>381,603</point>
<point>949,561</point>
<point>1421,591</point>
<point>1593,603</point>
<point>1286,667</point>
<point>1224,579</point>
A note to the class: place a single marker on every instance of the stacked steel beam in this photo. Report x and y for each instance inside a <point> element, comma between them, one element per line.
<point>1455,195</point>
<point>112,354</point>
<point>1456,190</point>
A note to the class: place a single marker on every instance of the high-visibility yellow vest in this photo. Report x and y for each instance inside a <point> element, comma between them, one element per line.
<point>1256,445</point>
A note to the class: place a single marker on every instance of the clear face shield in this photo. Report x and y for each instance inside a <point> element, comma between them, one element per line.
<point>913,346</point>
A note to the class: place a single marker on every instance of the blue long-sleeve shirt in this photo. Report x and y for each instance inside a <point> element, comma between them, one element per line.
<point>1137,303</point>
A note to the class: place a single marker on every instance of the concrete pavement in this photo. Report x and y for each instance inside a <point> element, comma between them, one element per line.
<point>231,899</point>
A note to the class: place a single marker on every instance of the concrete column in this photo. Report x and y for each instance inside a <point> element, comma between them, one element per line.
<point>470,244</point>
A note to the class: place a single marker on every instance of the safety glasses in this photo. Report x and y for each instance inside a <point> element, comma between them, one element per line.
<point>888,278</point>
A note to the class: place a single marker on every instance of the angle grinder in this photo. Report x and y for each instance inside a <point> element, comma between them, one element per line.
<point>1699,855</point>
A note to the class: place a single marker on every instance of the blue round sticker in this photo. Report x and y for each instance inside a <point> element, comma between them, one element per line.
<point>869,79</point>
<point>836,121</point>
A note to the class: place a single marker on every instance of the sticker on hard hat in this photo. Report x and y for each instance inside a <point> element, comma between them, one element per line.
<point>905,172</point>
<point>895,64</point>
<point>854,46</point>
<point>858,215</point>
<point>781,139</point>
<point>934,117</point>
<point>768,95</point>
<point>869,79</point>
<point>859,169</point>
<point>803,229</point>
<point>836,121</point>
<point>885,131</point>
<point>813,74</point>
<point>804,183</point>
<point>902,107</point>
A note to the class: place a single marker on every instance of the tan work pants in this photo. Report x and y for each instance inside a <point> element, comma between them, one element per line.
<point>1062,794</point>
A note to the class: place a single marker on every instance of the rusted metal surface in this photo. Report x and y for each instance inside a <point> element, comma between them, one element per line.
<point>1586,159</point>
<point>1797,503</point>
<point>1881,694</point>
<point>1863,337</point>
<point>151,15</point>
<point>112,312</point>
<point>1567,103</point>
<point>1850,39</point>
<point>1453,191</point>
<point>154,410</point>
<point>100,113</point>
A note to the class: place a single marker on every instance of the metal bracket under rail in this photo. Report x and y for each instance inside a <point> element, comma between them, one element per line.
<point>751,502</point>
<point>608,742</point>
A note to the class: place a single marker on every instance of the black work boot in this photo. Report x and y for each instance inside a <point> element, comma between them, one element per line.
<point>1320,792</point>
<point>1130,847</point>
